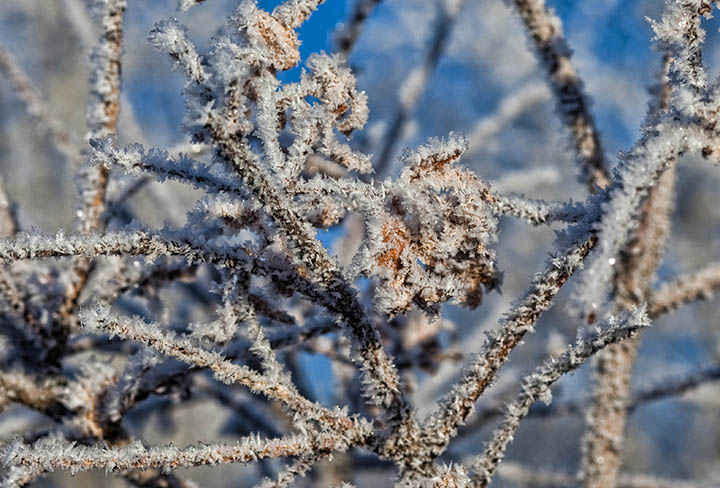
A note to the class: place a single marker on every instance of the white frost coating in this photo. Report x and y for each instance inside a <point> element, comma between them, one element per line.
<point>681,35</point>
<point>135,161</point>
<point>186,243</point>
<point>537,211</point>
<point>105,74</point>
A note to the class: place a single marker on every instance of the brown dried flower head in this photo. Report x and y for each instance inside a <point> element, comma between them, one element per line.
<point>436,234</point>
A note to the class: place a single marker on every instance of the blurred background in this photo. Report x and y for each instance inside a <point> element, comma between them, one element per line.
<point>483,81</point>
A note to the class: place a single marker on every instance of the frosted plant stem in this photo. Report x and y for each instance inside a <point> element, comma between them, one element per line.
<point>102,119</point>
<point>100,318</point>
<point>602,444</point>
<point>383,383</point>
<point>49,455</point>
<point>536,212</point>
<point>545,31</point>
<point>613,369</point>
<point>665,388</point>
<point>104,106</point>
<point>138,243</point>
<point>217,291</point>
<point>671,387</point>
<point>685,289</point>
<point>273,32</point>
<point>537,386</point>
<point>457,406</point>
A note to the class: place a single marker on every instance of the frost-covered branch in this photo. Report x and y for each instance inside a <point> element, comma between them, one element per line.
<point>135,161</point>
<point>537,212</point>
<point>293,295</point>
<point>100,318</point>
<point>459,403</point>
<point>687,288</point>
<point>667,388</point>
<point>102,115</point>
<point>537,386</point>
<point>274,46</point>
<point>633,276</point>
<point>681,37</point>
<point>104,106</point>
<point>55,454</point>
<point>172,37</point>
<point>133,243</point>
<point>638,172</point>
<point>545,31</point>
<point>674,386</point>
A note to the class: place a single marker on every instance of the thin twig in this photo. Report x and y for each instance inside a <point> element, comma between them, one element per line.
<point>545,31</point>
